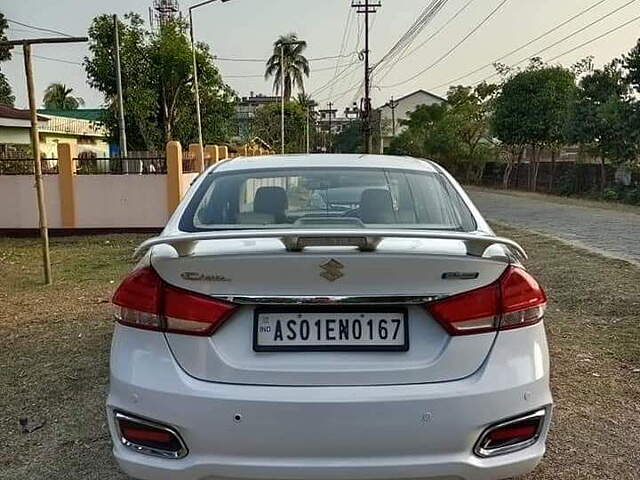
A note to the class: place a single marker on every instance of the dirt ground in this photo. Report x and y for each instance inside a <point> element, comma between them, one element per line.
<point>55,341</point>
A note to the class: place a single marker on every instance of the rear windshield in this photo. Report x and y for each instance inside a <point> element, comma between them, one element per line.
<point>326,198</point>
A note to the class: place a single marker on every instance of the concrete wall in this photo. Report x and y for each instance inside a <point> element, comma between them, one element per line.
<point>100,201</point>
<point>18,205</point>
<point>187,179</point>
<point>121,201</point>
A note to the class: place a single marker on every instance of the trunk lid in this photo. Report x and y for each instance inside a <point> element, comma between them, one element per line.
<point>260,273</point>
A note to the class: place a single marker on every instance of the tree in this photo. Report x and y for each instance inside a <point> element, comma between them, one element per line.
<point>420,138</point>
<point>266,125</point>
<point>157,82</point>
<point>532,110</point>
<point>455,133</point>
<point>6,95</point>
<point>631,63</point>
<point>468,121</point>
<point>309,105</point>
<point>349,140</point>
<point>294,68</point>
<point>58,97</point>
<point>603,120</point>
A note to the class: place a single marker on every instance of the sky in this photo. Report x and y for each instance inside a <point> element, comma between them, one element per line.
<point>246,29</point>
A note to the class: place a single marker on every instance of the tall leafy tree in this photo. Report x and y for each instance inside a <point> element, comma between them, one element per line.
<point>421,138</point>
<point>455,133</point>
<point>294,67</point>
<point>631,63</point>
<point>6,94</point>
<point>58,96</point>
<point>349,140</point>
<point>532,109</point>
<point>266,125</point>
<point>157,80</point>
<point>468,121</point>
<point>603,119</point>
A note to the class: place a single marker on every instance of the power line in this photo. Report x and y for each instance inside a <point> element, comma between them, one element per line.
<point>429,38</point>
<point>596,38</point>
<point>424,18</point>
<point>340,95</point>
<point>325,69</point>
<point>42,29</point>
<point>345,33</point>
<point>344,71</point>
<point>521,47</point>
<point>264,60</point>
<point>437,32</point>
<point>573,34</point>
<point>60,60</point>
<point>454,48</point>
<point>588,42</point>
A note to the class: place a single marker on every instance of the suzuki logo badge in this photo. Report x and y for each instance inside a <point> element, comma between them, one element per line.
<point>332,270</point>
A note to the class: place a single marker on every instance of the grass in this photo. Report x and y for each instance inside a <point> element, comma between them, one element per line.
<point>55,342</point>
<point>575,201</point>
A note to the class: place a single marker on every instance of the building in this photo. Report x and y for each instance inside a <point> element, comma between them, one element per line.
<point>246,109</point>
<point>329,124</point>
<point>79,127</point>
<point>398,109</point>
<point>15,130</point>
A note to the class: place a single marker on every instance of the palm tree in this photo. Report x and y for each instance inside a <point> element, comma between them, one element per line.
<point>58,97</point>
<point>295,66</point>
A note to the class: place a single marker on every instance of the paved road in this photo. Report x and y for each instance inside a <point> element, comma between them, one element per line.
<point>611,232</point>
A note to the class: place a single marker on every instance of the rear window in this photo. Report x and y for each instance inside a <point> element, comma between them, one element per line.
<point>326,198</point>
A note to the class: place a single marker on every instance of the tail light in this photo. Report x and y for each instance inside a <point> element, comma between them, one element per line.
<point>511,436</point>
<point>514,300</point>
<point>149,438</point>
<point>143,300</point>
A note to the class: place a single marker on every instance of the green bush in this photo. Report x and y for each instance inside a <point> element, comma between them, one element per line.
<point>632,196</point>
<point>610,195</point>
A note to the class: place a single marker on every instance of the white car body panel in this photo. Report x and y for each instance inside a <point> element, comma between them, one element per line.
<point>376,432</point>
<point>328,415</point>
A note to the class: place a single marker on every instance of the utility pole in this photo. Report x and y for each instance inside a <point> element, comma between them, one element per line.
<point>196,89</point>
<point>121,124</point>
<point>330,128</point>
<point>366,7</point>
<point>393,104</point>
<point>307,129</point>
<point>35,141</point>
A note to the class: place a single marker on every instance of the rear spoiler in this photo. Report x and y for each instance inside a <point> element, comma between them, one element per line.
<point>297,240</point>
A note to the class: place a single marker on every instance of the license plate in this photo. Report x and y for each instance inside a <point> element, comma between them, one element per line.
<point>330,330</point>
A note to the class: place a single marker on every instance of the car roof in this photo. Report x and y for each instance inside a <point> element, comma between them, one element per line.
<point>325,160</point>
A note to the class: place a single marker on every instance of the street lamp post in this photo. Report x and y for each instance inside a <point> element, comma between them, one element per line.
<point>282,74</point>
<point>195,70</point>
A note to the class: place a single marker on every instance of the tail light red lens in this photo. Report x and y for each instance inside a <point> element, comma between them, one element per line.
<point>514,300</point>
<point>511,436</point>
<point>143,300</point>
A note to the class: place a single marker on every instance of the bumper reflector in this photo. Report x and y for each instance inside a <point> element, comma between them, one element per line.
<point>511,436</point>
<point>149,438</point>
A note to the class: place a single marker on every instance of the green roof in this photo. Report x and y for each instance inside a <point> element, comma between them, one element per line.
<point>92,114</point>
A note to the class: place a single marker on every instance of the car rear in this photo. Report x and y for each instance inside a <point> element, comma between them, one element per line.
<point>328,355</point>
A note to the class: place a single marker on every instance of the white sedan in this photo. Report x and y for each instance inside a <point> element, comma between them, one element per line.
<point>328,317</point>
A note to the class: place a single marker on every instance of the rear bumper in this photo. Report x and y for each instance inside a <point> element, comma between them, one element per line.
<point>377,432</point>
